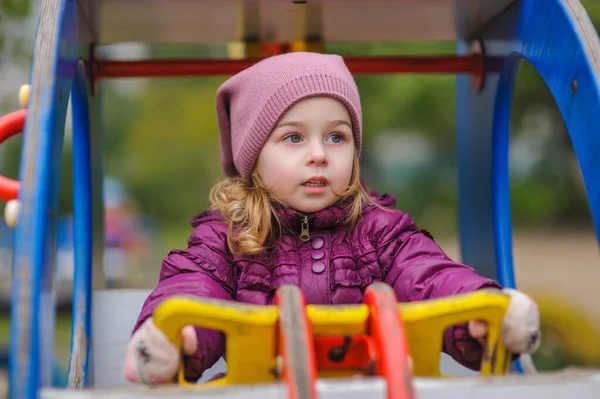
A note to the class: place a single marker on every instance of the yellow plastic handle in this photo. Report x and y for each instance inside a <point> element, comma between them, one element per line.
<point>249,331</point>
<point>426,322</point>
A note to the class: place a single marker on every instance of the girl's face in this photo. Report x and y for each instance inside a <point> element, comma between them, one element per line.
<point>307,160</point>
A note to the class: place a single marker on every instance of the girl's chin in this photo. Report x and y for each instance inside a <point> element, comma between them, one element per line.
<point>311,206</point>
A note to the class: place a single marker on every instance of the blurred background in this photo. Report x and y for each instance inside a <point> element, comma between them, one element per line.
<point>161,159</point>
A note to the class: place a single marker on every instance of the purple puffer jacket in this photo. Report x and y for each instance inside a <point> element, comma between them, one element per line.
<point>333,267</point>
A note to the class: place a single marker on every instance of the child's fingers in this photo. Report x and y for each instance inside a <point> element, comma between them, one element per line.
<point>478,329</point>
<point>189,340</point>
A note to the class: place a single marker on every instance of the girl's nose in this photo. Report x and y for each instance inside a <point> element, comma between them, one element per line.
<point>317,155</point>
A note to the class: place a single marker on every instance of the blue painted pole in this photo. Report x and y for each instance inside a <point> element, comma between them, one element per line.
<point>34,256</point>
<point>500,173</point>
<point>82,245</point>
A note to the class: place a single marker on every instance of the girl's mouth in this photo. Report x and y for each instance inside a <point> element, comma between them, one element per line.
<point>318,183</point>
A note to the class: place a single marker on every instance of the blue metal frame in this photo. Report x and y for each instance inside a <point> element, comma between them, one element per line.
<point>500,174</point>
<point>559,40</point>
<point>32,300</point>
<point>547,34</point>
<point>97,198</point>
<point>570,56</point>
<point>475,113</point>
<point>82,231</point>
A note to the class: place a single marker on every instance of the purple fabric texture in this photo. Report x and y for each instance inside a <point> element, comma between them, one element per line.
<point>333,267</point>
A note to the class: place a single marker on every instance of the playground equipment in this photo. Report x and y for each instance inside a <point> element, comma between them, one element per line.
<point>492,37</point>
<point>302,342</point>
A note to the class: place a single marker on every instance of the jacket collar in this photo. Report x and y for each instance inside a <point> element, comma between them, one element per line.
<point>333,216</point>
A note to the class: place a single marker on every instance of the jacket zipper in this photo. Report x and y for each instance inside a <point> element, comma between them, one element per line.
<point>304,235</point>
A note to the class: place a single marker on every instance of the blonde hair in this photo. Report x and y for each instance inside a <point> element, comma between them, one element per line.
<point>249,210</point>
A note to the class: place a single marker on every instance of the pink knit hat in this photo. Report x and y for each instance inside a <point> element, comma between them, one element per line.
<point>250,104</point>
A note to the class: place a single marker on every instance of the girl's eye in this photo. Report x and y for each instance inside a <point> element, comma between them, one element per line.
<point>293,138</point>
<point>336,138</point>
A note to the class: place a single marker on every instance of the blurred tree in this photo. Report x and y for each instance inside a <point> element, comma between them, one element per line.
<point>172,158</point>
<point>15,8</point>
<point>13,11</point>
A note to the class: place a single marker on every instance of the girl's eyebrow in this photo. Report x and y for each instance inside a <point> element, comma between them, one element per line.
<point>341,122</point>
<point>298,124</point>
<point>291,123</point>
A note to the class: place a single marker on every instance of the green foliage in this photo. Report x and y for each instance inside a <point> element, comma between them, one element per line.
<point>172,156</point>
<point>15,8</point>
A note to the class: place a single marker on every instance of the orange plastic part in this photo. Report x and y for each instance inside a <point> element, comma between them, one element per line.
<point>383,351</point>
<point>387,330</point>
<point>345,353</point>
<point>296,345</point>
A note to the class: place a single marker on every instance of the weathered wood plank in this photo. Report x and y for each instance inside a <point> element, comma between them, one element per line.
<point>217,21</point>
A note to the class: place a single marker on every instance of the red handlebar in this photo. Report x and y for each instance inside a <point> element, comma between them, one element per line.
<point>10,125</point>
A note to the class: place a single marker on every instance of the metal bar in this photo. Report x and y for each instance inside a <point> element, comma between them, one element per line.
<point>34,256</point>
<point>451,64</point>
<point>82,227</point>
<point>501,212</point>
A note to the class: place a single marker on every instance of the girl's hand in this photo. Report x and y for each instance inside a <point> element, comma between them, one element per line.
<point>520,327</point>
<point>151,358</point>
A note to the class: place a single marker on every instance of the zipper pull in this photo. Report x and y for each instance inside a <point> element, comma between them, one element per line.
<point>304,236</point>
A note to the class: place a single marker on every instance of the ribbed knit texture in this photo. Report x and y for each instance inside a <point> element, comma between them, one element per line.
<point>251,103</point>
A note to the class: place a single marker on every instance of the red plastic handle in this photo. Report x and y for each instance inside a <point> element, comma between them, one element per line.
<point>10,125</point>
<point>296,345</point>
<point>387,329</point>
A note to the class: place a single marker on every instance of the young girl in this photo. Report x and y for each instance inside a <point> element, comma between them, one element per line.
<point>293,210</point>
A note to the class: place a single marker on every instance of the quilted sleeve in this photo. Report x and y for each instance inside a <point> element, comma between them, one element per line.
<point>418,269</point>
<point>203,269</point>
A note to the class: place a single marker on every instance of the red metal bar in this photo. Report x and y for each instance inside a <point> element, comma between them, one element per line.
<point>10,125</point>
<point>471,64</point>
